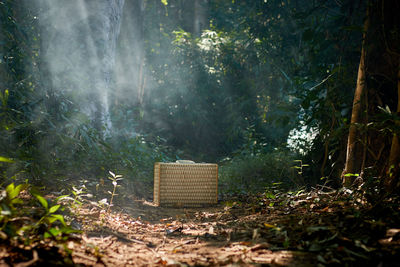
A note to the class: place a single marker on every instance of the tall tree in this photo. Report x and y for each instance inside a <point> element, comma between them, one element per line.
<point>393,170</point>
<point>130,74</point>
<point>79,48</point>
<point>355,146</point>
<point>373,134</point>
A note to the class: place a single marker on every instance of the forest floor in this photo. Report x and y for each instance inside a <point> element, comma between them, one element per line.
<point>282,229</point>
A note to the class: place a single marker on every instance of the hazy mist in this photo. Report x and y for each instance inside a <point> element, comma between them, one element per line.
<point>79,41</point>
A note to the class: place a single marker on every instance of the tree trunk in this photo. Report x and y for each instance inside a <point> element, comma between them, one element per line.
<point>354,146</point>
<point>130,65</point>
<point>392,174</point>
<point>370,150</point>
<point>200,17</point>
<point>80,51</point>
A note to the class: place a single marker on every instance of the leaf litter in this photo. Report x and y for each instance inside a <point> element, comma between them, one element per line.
<point>313,228</point>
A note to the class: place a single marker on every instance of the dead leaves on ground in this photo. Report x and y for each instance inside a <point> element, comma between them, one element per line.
<point>288,229</point>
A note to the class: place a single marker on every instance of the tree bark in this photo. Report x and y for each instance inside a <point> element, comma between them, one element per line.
<point>392,173</point>
<point>378,87</point>
<point>354,146</point>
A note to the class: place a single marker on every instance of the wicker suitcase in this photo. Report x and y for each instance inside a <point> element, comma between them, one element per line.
<point>185,185</point>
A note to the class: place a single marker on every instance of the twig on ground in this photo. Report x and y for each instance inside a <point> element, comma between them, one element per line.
<point>29,263</point>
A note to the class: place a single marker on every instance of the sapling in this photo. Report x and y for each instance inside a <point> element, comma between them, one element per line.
<point>114,178</point>
<point>78,193</point>
<point>300,168</point>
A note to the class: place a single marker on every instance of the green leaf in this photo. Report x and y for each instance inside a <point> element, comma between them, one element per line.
<point>269,195</point>
<point>50,220</point>
<point>62,197</point>
<point>54,208</point>
<point>43,201</point>
<point>24,229</point>
<point>351,174</point>
<point>47,235</point>
<point>4,98</point>
<point>10,190</point>
<point>21,187</point>
<point>58,217</point>
<point>54,231</point>
<point>286,243</point>
<point>15,192</point>
<point>16,201</point>
<point>164,2</point>
<point>68,230</point>
<point>4,159</point>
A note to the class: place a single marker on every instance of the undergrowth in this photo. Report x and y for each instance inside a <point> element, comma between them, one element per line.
<point>253,173</point>
<point>27,217</point>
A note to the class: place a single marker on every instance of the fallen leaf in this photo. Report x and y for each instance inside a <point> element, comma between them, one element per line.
<point>211,230</point>
<point>326,209</point>
<point>260,246</point>
<point>392,232</point>
<point>269,225</point>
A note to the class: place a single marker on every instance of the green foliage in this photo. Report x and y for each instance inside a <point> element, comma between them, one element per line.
<point>49,218</point>
<point>211,88</point>
<point>249,173</point>
<point>330,47</point>
<point>15,224</point>
<point>11,196</point>
<point>300,167</point>
<point>4,159</point>
<point>238,89</point>
<point>78,193</point>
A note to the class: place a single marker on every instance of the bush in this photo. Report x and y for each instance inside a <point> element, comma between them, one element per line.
<point>253,173</point>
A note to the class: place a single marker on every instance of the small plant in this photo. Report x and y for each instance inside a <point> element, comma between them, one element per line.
<point>351,175</point>
<point>102,203</point>
<point>78,194</point>
<point>300,167</point>
<point>8,199</point>
<point>15,223</point>
<point>11,194</point>
<point>49,218</point>
<point>114,179</point>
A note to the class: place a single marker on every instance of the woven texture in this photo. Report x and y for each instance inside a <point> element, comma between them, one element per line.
<point>185,185</point>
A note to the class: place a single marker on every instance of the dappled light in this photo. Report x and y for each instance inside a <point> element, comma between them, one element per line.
<point>199,133</point>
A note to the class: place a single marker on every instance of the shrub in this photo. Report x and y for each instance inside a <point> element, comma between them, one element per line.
<point>252,173</point>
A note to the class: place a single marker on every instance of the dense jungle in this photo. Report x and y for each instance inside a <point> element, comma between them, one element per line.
<point>297,101</point>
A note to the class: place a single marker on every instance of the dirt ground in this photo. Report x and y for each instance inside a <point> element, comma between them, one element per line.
<point>309,229</point>
<point>142,234</point>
